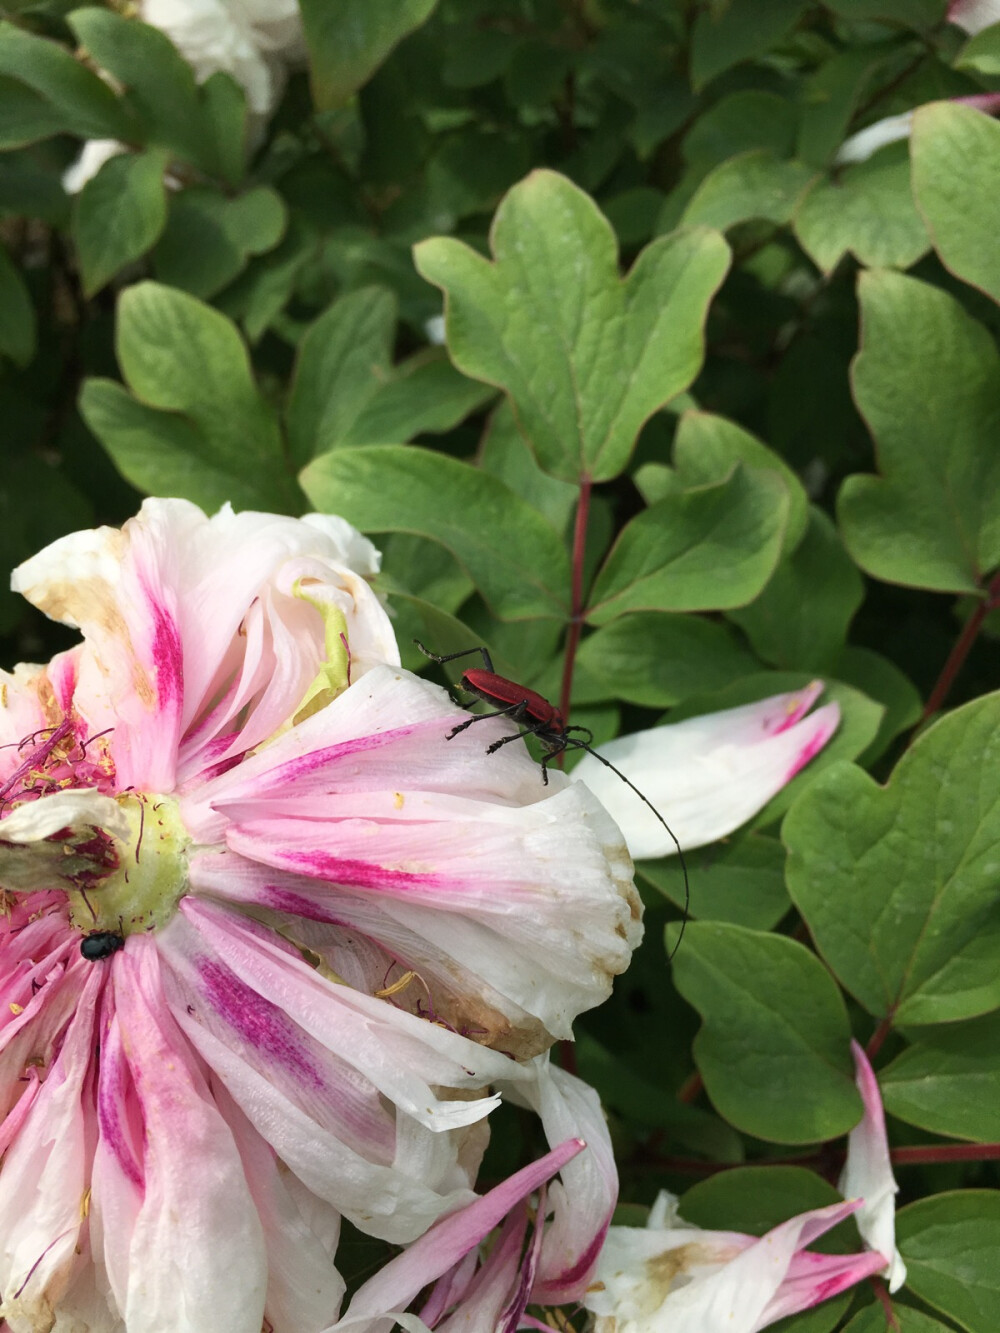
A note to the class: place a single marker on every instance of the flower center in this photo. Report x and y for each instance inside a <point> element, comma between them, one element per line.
<point>143,890</point>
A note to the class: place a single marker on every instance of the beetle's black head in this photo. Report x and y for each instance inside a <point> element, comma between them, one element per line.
<point>101,944</point>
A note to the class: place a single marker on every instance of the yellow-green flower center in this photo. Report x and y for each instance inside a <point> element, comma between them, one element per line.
<point>143,892</point>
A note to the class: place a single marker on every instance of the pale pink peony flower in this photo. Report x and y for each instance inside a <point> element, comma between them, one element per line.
<point>867,1173</point>
<point>676,1278</point>
<point>709,774</point>
<point>271,937</point>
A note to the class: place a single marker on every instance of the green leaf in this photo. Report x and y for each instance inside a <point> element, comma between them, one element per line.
<point>950,1243</point>
<point>744,120</point>
<point>707,548</point>
<point>932,520</point>
<point>706,447</point>
<point>342,360</point>
<point>75,93</point>
<point>348,41</point>
<point>774,1046</point>
<point>981,53</point>
<point>28,190</point>
<point>512,554</point>
<point>628,1093</point>
<point>741,882</point>
<point>585,356</point>
<point>18,326</point>
<point>753,1199</point>
<point>753,185</point>
<point>160,83</point>
<point>424,394</point>
<point>725,35</point>
<point>164,454</point>
<point>424,569</point>
<point>227,117</point>
<point>898,883</point>
<point>505,453</point>
<point>917,14</point>
<point>882,680</point>
<point>655,659</point>
<point>26,116</point>
<point>866,210</point>
<point>38,504</point>
<point>119,215</point>
<point>830,97</point>
<point>956,160</point>
<point>209,238</point>
<point>184,358</point>
<point>801,618</point>
<point>948,1082</point>
<point>908,1320</point>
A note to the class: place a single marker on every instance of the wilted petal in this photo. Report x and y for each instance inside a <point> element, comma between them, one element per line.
<point>867,1173</point>
<point>445,1245</point>
<point>192,1229</point>
<point>46,1175</point>
<point>707,775</point>
<point>676,1276</point>
<point>301,1234</point>
<point>583,1199</point>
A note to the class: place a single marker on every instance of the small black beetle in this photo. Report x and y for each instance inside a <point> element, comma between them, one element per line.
<point>101,944</point>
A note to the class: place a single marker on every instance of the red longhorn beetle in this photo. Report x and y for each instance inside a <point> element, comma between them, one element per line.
<point>543,721</point>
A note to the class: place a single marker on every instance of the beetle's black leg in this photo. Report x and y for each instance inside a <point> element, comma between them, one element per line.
<point>515,712</point>
<point>451,657</point>
<point>580,743</point>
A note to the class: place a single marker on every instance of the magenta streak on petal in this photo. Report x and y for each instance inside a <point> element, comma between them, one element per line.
<point>285,900</point>
<point>803,703</point>
<point>111,1095</point>
<point>168,656</point>
<point>302,765</point>
<point>263,1026</point>
<point>580,1270</point>
<point>809,751</point>
<point>362,874</point>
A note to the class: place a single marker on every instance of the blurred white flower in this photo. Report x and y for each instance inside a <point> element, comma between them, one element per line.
<point>93,155</point>
<point>434,328</point>
<point>253,40</point>
<point>861,146</point>
<point>974,15</point>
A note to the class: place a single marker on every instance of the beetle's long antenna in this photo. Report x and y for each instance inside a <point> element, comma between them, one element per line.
<point>582,745</point>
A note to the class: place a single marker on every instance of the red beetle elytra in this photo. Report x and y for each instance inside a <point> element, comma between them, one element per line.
<point>543,721</point>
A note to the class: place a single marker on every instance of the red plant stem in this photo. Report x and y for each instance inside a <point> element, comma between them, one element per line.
<point>690,1088</point>
<point>824,1160</point>
<point>963,645</point>
<point>576,595</point>
<point>885,1300</point>
<point>879,1035</point>
<point>945,1152</point>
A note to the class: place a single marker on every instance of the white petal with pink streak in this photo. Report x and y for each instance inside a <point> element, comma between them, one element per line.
<point>867,1173</point>
<point>707,775</point>
<point>195,1225</point>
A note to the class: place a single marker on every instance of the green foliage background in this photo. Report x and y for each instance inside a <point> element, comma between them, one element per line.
<point>780,377</point>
